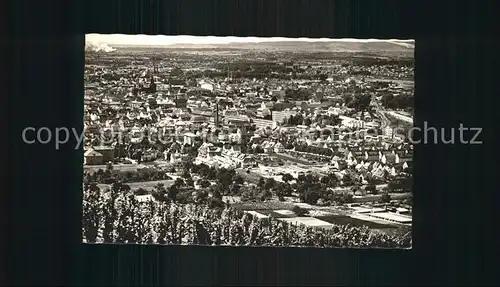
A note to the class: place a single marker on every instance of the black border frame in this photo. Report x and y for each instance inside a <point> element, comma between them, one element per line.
<point>45,77</point>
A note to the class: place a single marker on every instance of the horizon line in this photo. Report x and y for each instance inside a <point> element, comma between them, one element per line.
<point>165,40</point>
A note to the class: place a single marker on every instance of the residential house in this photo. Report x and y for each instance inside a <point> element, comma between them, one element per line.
<point>107,152</point>
<point>190,138</point>
<point>93,157</point>
<point>249,161</point>
<point>279,148</point>
<point>175,147</point>
<point>235,137</point>
<point>372,155</point>
<point>268,146</point>
<point>404,155</point>
<point>208,150</point>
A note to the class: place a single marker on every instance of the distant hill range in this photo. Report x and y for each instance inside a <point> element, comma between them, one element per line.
<point>298,46</point>
<point>302,46</point>
<point>384,49</point>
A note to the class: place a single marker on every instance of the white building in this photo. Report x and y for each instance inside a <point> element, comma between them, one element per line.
<point>351,122</point>
<point>189,138</point>
<point>387,131</point>
<point>280,116</point>
<point>206,85</point>
<point>263,111</point>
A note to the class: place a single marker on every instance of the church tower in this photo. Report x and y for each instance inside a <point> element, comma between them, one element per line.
<point>152,85</point>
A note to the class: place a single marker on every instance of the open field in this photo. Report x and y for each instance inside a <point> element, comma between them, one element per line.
<point>371,198</point>
<point>250,177</point>
<point>120,167</point>
<point>344,220</point>
<point>258,206</point>
<point>147,185</point>
<point>330,215</point>
<point>308,221</point>
<point>276,214</point>
<point>291,158</point>
<point>403,83</point>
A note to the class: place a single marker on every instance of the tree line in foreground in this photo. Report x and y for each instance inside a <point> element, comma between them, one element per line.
<point>121,218</point>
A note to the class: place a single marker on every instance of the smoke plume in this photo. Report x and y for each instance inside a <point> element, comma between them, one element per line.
<point>98,47</point>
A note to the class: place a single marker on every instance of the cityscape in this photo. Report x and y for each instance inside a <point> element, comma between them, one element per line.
<point>230,141</point>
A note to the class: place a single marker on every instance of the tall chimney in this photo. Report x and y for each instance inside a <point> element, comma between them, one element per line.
<point>217,114</point>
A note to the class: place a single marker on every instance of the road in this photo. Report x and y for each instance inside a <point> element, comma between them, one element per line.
<point>381,114</point>
<point>403,118</point>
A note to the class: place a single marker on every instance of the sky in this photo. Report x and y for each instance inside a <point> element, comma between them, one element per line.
<point>157,40</point>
